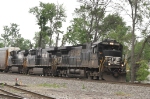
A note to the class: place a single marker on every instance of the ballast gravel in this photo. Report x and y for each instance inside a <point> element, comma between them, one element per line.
<point>76,89</point>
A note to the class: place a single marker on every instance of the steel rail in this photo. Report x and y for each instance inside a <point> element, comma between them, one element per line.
<point>28,92</point>
<point>9,96</point>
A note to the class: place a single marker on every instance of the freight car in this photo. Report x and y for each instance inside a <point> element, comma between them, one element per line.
<point>99,60</point>
<point>5,56</point>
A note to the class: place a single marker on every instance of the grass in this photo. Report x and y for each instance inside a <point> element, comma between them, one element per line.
<point>83,87</point>
<point>121,94</point>
<point>54,85</point>
<point>64,85</point>
<point>2,85</point>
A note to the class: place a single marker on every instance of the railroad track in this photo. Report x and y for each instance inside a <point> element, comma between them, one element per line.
<point>14,92</point>
<point>85,80</point>
<point>4,96</point>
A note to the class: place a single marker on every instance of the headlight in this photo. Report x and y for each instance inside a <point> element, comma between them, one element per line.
<point>122,65</point>
<point>111,43</point>
<point>108,63</point>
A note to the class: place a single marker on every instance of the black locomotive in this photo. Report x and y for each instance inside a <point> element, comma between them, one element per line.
<point>98,60</point>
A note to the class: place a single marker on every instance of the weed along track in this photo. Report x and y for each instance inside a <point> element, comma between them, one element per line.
<point>15,92</point>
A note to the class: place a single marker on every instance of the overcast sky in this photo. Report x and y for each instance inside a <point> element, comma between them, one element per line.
<point>17,11</point>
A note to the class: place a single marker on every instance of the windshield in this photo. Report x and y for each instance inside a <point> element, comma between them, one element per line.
<point>112,53</point>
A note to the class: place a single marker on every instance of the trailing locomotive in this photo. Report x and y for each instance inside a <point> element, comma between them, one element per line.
<point>98,60</point>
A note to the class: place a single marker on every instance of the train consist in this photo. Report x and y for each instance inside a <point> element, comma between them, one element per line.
<point>99,60</point>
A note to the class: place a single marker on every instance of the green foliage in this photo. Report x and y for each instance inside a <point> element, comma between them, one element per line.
<point>45,40</point>
<point>87,29</point>
<point>111,22</point>
<point>12,37</point>
<point>116,29</point>
<point>142,72</point>
<point>128,76</point>
<point>2,45</point>
<point>24,44</point>
<point>85,26</point>
<point>5,36</point>
<point>51,15</point>
<point>77,34</point>
<point>146,51</point>
<point>41,21</point>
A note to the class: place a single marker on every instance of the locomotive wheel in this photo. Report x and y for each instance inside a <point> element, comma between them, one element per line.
<point>89,76</point>
<point>20,70</point>
<point>24,70</point>
<point>9,70</point>
<point>45,71</point>
<point>6,69</point>
<point>30,71</point>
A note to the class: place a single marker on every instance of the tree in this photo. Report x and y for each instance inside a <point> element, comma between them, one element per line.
<point>49,13</point>
<point>140,18</point>
<point>76,33</point>
<point>114,27</point>
<point>55,15</point>
<point>24,43</point>
<point>12,37</point>
<point>142,72</point>
<point>142,52</point>
<point>41,20</point>
<point>86,26</point>
<point>2,45</point>
<point>5,36</point>
<point>45,40</point>
<point>111,22</point>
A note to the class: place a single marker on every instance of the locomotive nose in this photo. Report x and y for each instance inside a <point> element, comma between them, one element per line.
<point>116,74</point>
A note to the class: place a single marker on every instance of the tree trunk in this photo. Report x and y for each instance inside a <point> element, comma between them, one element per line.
<point>134,16</point>
<point>57,38</point>
<point>132,58</point>
<point>141,50</point>
<point>40,39</point>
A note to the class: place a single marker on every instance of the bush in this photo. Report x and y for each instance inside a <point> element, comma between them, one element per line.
<point>142,72</point>
<point>128,73</point>
<point>128,76</point>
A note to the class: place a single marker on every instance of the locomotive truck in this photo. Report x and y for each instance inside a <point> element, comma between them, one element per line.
<point>99,60</point>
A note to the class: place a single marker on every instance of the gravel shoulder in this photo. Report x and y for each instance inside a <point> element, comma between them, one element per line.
<point>73,89</point>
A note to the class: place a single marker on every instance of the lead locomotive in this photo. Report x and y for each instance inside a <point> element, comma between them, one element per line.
<point>98,60</point>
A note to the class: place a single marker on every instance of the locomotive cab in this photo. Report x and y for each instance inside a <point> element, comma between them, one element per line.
<point>111,64</point>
